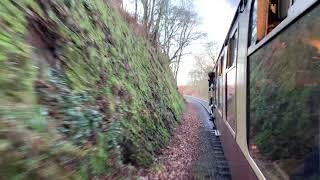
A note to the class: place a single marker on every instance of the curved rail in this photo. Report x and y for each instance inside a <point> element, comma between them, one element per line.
<point>202,102</point>
<point>221,167</point>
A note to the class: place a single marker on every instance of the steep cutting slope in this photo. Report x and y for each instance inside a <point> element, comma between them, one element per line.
<point>80,96</point>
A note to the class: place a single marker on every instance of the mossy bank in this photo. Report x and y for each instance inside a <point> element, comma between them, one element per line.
<point>81,96</point>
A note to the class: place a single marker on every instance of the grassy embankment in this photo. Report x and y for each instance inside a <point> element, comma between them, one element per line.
<point>81,95</point>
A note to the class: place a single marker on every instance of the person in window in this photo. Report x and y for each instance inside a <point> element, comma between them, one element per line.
<point>273,18</point>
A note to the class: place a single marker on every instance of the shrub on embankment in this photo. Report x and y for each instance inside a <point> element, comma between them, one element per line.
<point>81,96</point>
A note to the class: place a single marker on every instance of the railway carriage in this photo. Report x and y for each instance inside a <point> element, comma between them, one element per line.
<point>266,92</point>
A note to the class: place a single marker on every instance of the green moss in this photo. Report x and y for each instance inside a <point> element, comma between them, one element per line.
<point>110,94</point>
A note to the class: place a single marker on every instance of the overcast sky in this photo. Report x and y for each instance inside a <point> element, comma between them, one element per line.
<point>216,17</point>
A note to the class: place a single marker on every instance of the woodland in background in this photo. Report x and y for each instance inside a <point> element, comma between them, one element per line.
<point>170,25</point>
<point>203,64</point>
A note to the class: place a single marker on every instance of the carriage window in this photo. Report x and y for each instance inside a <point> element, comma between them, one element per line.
<point>253,24</point>
<point>265,16</point>
<point>219,67</point>
<point>284,108</point>
<point>221,64</point>
<point>233,49</point>
<point>231,81</point>
<point>284,8</point>
<point>231,98</point>
<point>220,89</point>
<point>218,83</point>
<point>278,11</point>
<point>216,87</point>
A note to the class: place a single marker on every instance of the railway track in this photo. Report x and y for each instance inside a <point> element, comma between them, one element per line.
<point>218,169</point>
<point>202,102</point>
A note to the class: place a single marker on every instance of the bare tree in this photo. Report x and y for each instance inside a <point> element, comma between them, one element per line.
<point>151,15</point>
<point>153,12</point>
<point>173,26</point>
<point>201,68</point>
<point>136,9</point>
<point>211,49</point>
<point>180,31</point>
<point>162,10</point>
<point>145,17</point>
<point>199,75</point>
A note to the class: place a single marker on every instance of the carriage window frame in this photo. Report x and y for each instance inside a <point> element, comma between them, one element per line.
<point>260,14</point>
<point>215,102</point>
<point>280,10</point>
<point>220,76</point>
<point>231,68</point>
<point>220,65</point>
<point>231,64</point>
<point>297,9</point>
<point>253,28</point>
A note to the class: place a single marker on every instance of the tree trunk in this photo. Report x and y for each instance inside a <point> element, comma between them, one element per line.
<point>151,15</point>
<point>136,10</point>
<point>145,15</point>
<point>157,26</point>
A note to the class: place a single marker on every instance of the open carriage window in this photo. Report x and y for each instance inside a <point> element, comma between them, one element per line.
<point>265,16</point>
<point>277,12</point>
